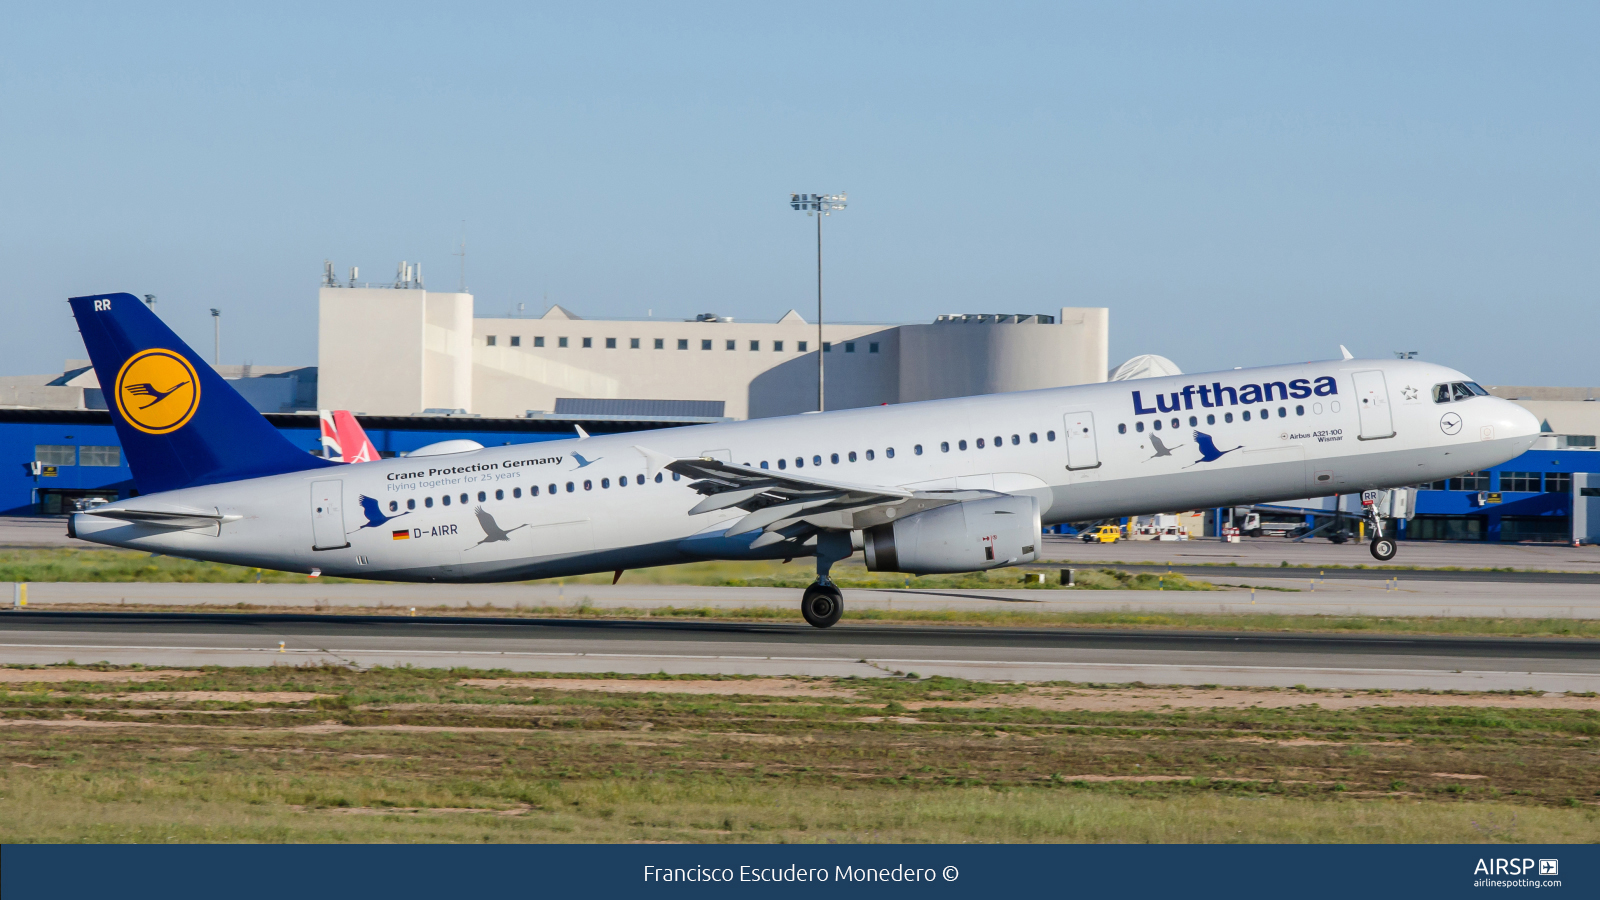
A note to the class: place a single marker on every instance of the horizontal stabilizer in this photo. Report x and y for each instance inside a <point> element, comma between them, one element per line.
<point>173,518</point>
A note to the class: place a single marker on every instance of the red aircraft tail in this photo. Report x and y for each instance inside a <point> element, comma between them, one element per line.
<point>343,439</point>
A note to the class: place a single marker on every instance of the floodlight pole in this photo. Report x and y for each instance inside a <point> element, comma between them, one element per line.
<point>818,205</point>
<point>216,337</point>
<point>820,394</point>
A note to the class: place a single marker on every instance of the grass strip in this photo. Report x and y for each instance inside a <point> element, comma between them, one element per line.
<point>332,755</point>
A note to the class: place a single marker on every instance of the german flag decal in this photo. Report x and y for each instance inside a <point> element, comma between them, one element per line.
<point>402,534</point>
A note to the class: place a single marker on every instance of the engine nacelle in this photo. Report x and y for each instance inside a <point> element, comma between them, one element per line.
<point>961,537</point>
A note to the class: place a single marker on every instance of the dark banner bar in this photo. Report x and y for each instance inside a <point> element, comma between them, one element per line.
<point>589,871</point>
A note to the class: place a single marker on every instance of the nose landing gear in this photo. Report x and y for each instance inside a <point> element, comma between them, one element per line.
<point>1383,546</point>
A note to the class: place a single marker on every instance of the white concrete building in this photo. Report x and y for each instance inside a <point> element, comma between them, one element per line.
<point>399,351</point>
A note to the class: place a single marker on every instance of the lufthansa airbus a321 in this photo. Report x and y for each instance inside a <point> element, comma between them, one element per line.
<point>939,486</point>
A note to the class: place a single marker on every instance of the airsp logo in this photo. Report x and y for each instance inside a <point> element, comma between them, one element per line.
<point>157,391</point>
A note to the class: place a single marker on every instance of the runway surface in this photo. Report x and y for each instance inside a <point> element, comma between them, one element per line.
<point>571,645</point>
<point>1374,595</point>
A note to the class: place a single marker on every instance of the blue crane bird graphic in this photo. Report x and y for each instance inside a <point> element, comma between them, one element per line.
<point>146,389</point>
<point>373,510</point>
<point>1208,449</point>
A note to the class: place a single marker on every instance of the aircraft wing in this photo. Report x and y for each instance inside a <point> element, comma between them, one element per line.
<point>779,500</point>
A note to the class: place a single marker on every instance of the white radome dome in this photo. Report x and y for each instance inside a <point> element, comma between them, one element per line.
<point>1148,365</point>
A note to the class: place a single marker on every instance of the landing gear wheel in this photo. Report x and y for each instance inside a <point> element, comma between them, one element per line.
<point>1383,549</point>
<point>822,605</point>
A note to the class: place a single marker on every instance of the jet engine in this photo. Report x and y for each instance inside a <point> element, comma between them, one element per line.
<point>961,537</point>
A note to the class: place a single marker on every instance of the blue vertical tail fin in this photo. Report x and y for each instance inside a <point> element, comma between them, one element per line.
<point>181,424</point>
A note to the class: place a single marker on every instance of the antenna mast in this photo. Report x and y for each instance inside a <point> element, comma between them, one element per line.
<point>463,254</point>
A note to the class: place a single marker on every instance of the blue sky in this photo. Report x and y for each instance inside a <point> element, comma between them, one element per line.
<point>1241,184</point>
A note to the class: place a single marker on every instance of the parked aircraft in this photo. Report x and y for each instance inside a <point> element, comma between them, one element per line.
<point>939,486</point>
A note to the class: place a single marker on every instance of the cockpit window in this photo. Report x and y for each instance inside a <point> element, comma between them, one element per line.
<point>1460,390</point>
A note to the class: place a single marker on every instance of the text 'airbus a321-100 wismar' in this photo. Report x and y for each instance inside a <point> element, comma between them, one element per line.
<point>939,486</point>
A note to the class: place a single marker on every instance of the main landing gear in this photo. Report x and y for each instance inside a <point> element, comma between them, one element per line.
<point>1383,546</point>
<point>823,604</point>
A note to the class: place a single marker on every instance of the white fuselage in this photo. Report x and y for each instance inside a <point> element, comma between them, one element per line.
<point>1079,450</point>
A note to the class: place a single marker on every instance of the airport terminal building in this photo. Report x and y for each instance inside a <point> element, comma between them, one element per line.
<point>426,367</point>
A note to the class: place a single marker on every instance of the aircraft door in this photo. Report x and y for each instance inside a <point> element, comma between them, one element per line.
<point>1372,395</point>
<point>327,515</point>
<point>1082,452</point>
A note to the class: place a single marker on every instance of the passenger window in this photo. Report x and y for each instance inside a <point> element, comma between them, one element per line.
<point>1033,437</point>
<point>676,476</point>
<point>516,493</point>
<point>588,485</point>
<point>961,445</point>
<point>1299,410</point>
<point>1122,428</point>
<point>446,499</point>
<point>944,446</point>
<point>571,487</point>
<point>1227,417</point>
<point>834,458</point>
<point>428,501</point>
<point>481,497</point>
<point>917,450</point>
<point>394,506</point>
<point>638,479</point>
<point>980,443</point>
<point>889,452</point>
<point>1193,421</point>
<point>1176,423</point>
<point>1441,393</point>
<point>852,456</point>
<point>869,456</point>
<point>816,460</point>
<point>1282,413</point>
<point>1245,415</point>
<point>605,483</point>
<point>499,495</point>
<point>1139,427</point>
<point>623,481</point>
<point>1016,439</point>
<point>411,504</point>
<point>782,464</point>
<point>1211,419</point>
<point>1049,435</point>
<point>553,489</point>
<point>1156,424</point>
<point>658,474</point>
<point>799,462</point>
<point>464,498</point>
<point>763,464</point>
